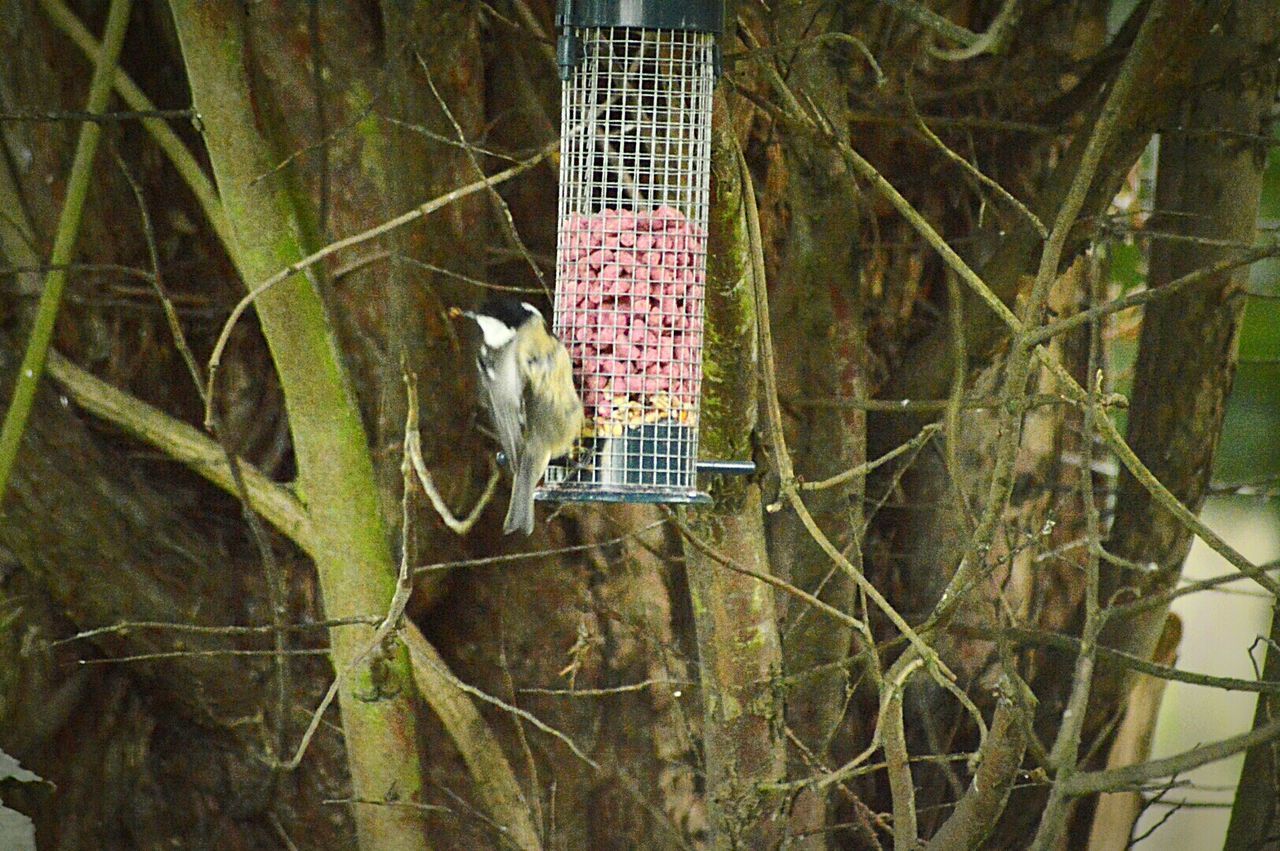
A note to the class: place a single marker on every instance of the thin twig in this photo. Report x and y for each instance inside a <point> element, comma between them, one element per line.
<point>499,830</point>
<point>321,144</point>
<point>531,764</point>
<point>517,712</point>
<point>1160,599</point>
<point>125,627</point>
<point>608,692</point>
<point>33,358</point>
<point>973,170</point>
<point>507,558</point>
<point>507,219</point>
<point>1174,808</point>
<point>188,654</point>
<point>886,406</point>
<point>1112,437</point>
<point>99,117</point>
<point>1071,644</point>
<point>44,268</point>
<point>179,156</point>
<point>413,457</point>
<point>424,209</point>
<point>272,575</point>
<point>448,140</point>
<point>1092,782</point>
<point>1053,329</point>
<point>278,827</point>
<point>391,802</point>
<point>157,283</point>
<point>458,276</point>
<point>768,579</point>
<point>1065,754</point>
<point>914,444</point>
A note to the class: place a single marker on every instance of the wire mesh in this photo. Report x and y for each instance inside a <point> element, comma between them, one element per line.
<point>631,259</point>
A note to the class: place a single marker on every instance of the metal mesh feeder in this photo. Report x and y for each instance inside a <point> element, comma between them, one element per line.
<point>632,242</point>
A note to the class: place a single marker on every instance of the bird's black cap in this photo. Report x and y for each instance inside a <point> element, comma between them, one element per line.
<point>512,312</point>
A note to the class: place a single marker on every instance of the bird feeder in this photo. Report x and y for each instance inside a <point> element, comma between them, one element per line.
<point>635,157</point>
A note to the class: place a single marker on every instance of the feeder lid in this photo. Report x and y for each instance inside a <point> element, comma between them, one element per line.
<point>705,16</point>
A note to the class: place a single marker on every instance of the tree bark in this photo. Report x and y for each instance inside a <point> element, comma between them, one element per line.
<point>817,308</point>
<point>335,472</point>
<point>737,628</point>
<point>1208,187</point>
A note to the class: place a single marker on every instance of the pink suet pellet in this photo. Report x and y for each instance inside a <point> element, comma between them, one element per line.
<point>629,308</point>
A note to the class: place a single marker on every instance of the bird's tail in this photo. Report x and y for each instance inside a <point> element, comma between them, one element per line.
<point>520,511</point>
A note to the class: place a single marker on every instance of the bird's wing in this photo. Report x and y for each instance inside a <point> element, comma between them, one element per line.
<point>505,388</point>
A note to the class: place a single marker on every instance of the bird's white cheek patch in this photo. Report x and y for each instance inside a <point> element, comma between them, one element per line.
<point>496,333</point>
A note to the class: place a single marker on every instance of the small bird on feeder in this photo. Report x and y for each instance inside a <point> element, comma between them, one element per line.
<point>528,388</point>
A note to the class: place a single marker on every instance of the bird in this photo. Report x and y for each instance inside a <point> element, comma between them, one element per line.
<point>527,380</point>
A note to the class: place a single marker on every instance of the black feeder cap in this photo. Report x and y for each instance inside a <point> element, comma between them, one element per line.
<point>704,16</point>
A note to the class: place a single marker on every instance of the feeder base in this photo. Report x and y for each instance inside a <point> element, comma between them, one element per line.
<point>596,495</point>
<point>651,462</point>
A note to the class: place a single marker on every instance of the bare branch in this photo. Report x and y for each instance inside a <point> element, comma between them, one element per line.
<point>786,470</point>
<point>424,209</point>
<point>1069,643</point>
<point>1111,435</point>
<point>186,445</point>
<point>33,357</point>
<point>125,627</point>
<point>182,159</point>
<point>993,40</point>
<point>912,445</point>
<point>99,117</point>
<point>1053,329</point>
<point>1091,782</point>
<point>507,219</point>
<point>973,170</point>
<point>608,692</point>
<point>437,666</point>
<point>976,813</point>
<point>898,762</point>
<point>768,579</point>
<point>934,22</point>
<point>1066,747</point>
<point>413,457</point>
